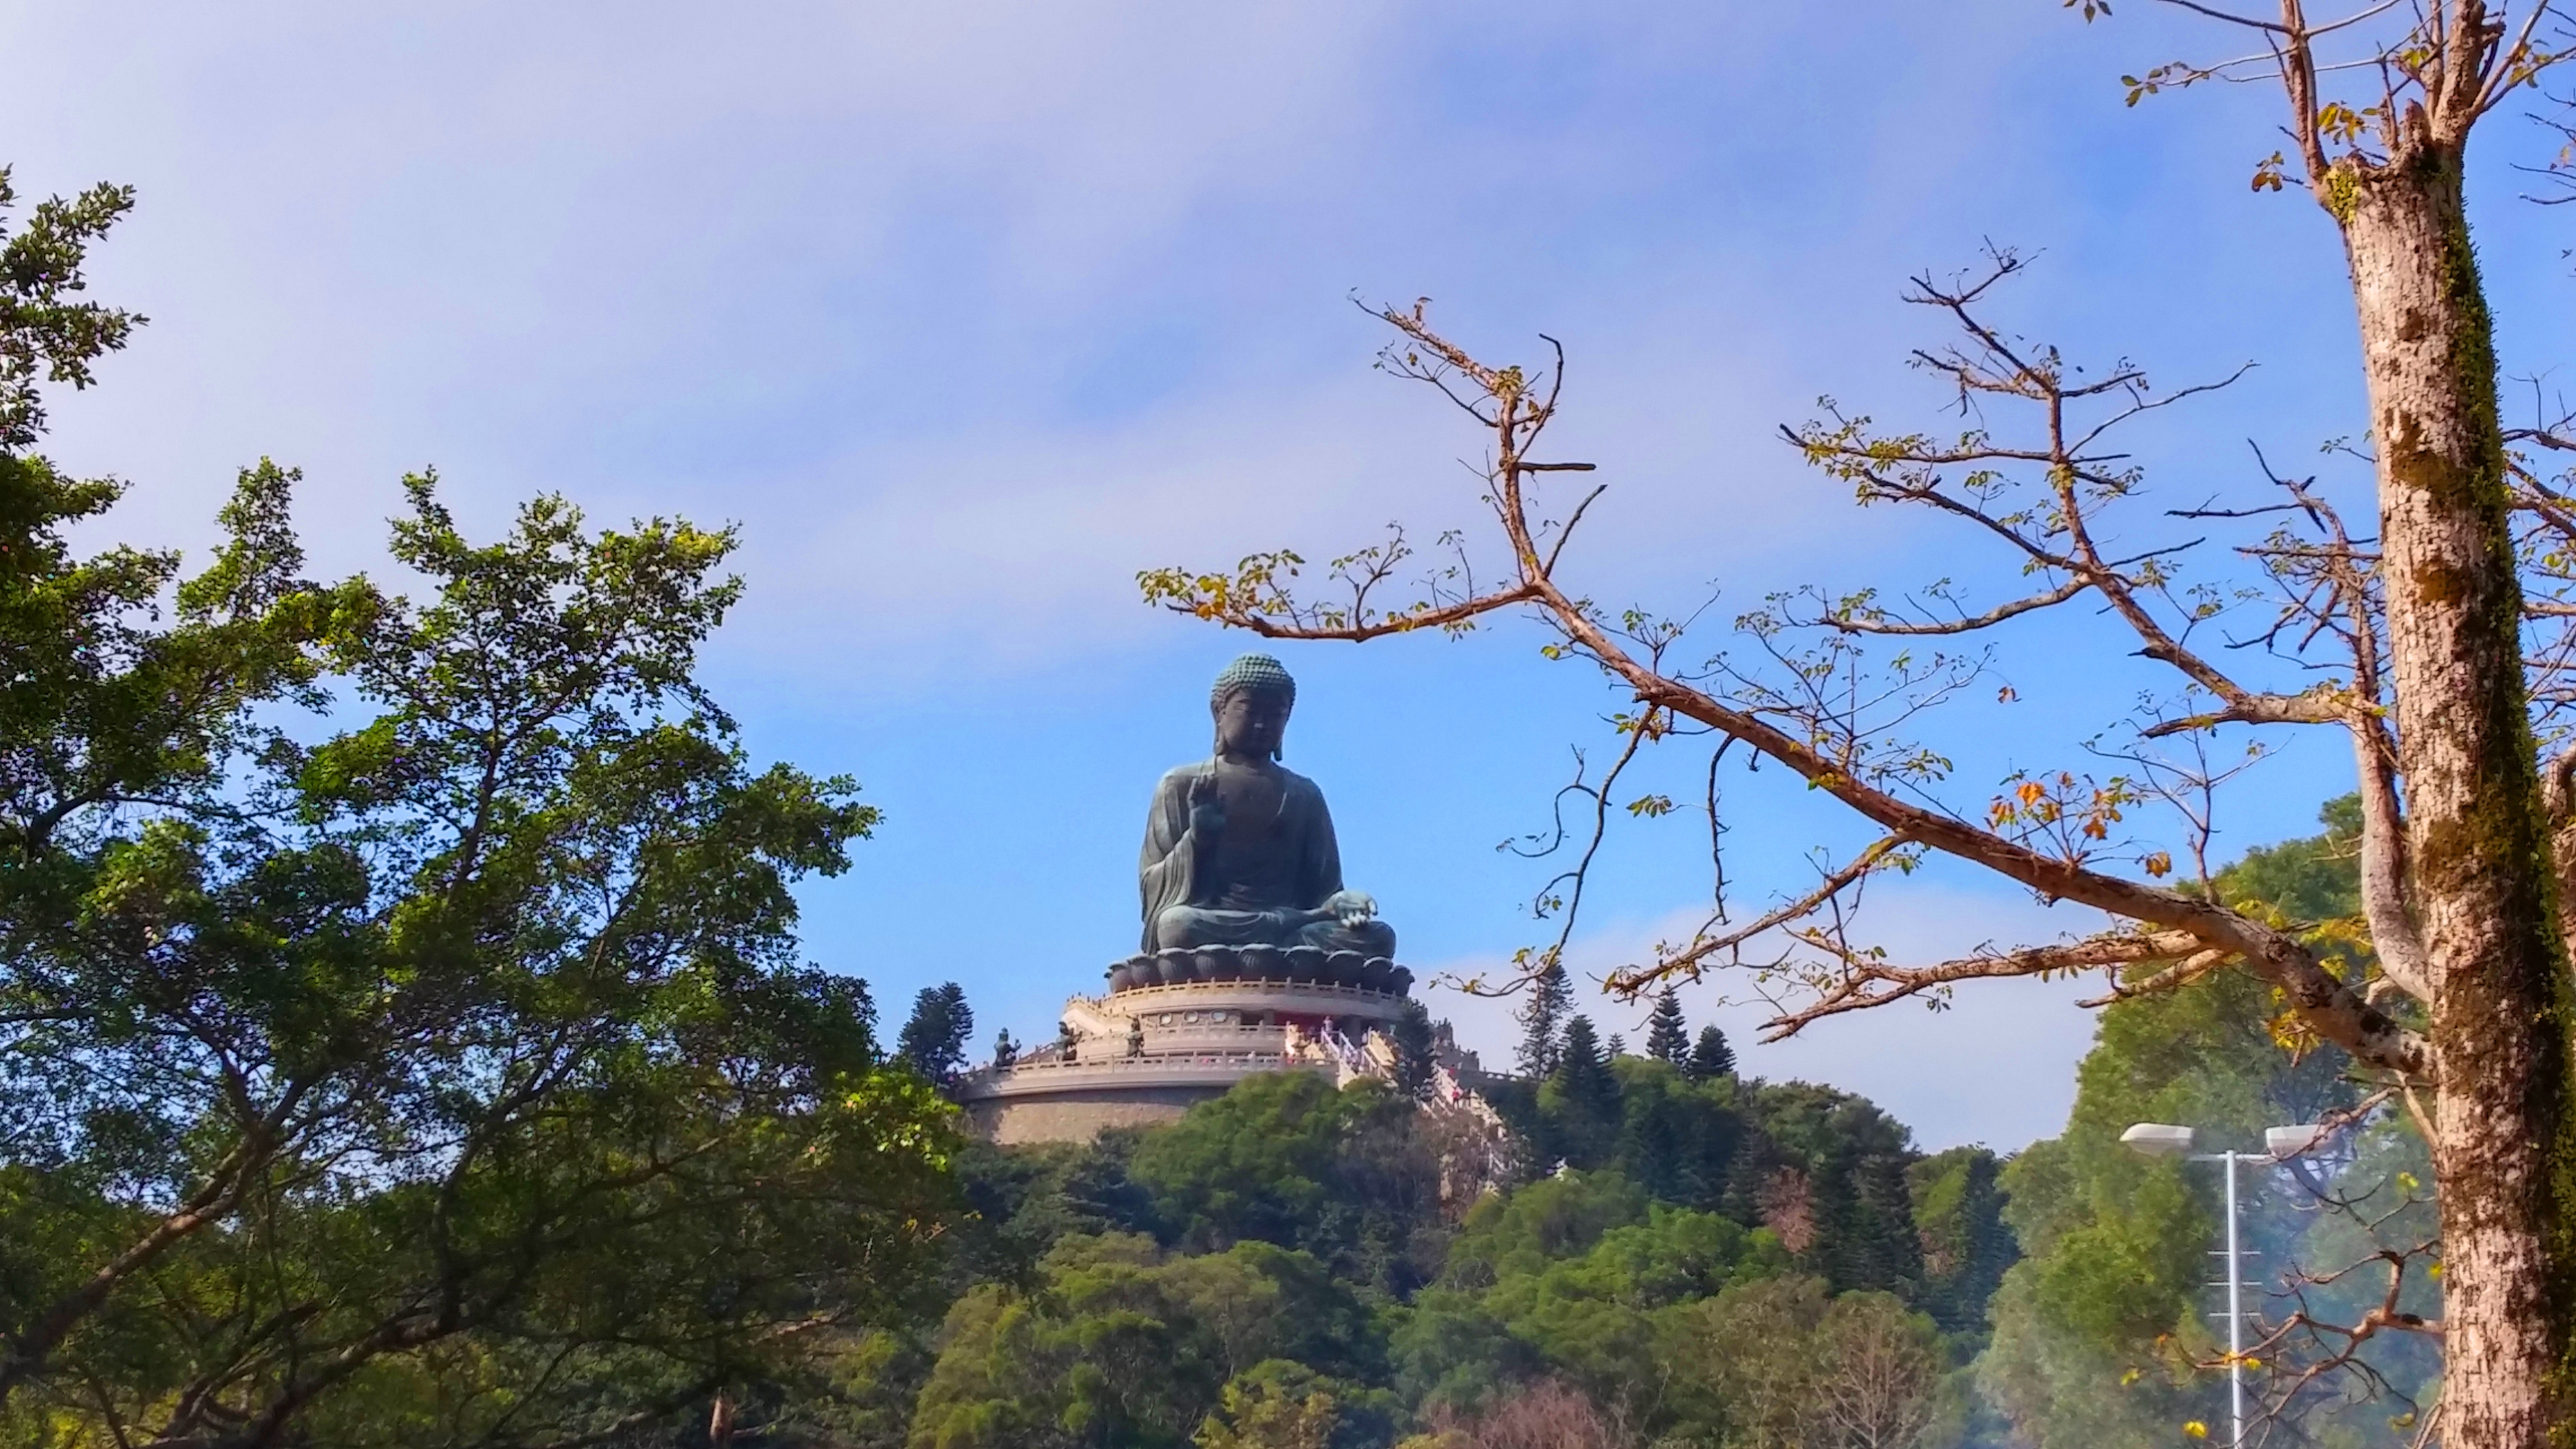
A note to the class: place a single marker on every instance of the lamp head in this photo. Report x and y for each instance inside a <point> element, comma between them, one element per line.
<point>2157,1139</point>
<point>2285,1143</point>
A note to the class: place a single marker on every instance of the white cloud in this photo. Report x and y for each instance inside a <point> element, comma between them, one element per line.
<point>832,269</point>
<point>1995,1065</point>
<point>1014,544</point>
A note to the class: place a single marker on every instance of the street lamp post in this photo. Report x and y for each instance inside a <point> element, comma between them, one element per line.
<point>2163,1139</point>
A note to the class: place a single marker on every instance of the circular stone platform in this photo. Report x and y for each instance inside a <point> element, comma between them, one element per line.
<point>1143,1054</point>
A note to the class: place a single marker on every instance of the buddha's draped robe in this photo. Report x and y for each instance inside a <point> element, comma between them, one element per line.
<point>1266,870</point>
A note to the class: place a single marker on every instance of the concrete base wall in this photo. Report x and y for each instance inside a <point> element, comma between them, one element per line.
<point>1079,1117</point>
<point>1147,1056</point>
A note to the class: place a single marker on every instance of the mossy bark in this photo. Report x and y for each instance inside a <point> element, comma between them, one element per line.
<point>2484,888</point>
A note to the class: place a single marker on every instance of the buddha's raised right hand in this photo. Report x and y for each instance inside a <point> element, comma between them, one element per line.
<point>1207,811</point>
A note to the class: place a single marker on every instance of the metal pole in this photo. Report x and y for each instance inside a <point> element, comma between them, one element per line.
<point>2235,1316</point>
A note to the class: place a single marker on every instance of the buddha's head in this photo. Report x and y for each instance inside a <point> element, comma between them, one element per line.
<point>1251,701</point>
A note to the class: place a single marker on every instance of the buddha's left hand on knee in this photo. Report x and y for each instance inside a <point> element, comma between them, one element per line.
<point>1350,907</point>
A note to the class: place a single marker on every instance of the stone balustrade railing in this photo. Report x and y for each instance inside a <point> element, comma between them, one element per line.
<point>1054,1074</point>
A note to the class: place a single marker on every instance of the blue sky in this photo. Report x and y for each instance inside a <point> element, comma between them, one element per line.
<point>966,312</point>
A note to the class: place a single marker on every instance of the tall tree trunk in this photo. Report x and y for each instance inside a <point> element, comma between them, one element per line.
<point>2479,841</point>
<point>2558,792</point>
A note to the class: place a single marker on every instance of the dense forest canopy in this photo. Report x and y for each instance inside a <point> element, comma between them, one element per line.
<point>1295,1233</point>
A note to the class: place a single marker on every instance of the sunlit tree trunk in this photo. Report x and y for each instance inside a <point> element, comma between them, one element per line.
<point>2477,828</point>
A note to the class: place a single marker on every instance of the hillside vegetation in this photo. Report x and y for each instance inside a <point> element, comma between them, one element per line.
<point>1280,1264</point>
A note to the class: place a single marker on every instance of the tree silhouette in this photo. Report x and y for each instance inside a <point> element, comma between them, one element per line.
<point>1551,994</point>
<point>1712,1058</point>
<point>1667,1035</point>
<point>1413,1034</point>
<point>1586,1095</point>
<point>934,1041</point>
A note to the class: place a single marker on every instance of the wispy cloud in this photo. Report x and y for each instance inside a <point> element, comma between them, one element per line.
<point>1993,1064</point>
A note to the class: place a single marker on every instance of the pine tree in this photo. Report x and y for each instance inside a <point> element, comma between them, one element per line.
<point>1958,1204</point>
<point>934,1040</point>
<point>1712,1058</point>
<point>1618,1047</point>
<point>1585,1095</point>
<point>1866,1234</point>
<point>1414,1050</point>
<point>1667,1035</point>
<point>1551,995</point>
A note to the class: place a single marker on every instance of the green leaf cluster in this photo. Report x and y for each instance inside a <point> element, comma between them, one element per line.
<point>1121,1343</point>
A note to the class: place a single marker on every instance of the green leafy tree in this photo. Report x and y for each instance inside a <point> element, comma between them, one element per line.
<point>1283,1404</point>
<point>1826,1171</point>
<point>1867,1234</point>
<point>1830,1175</point>
<point>115,727</point>
<point>1285,1158</point>
<point>856,1391</point>
<point>451,1079</point>
<point>1583,1278</point>
<point>1123,1345</point>
<point>1593,1282</point>
<point>1454,1347</point>
<point>1667,1036</point>
<point>46,334</point>
<point>2097,1333</point>
<point>490,1006</point>
<point>1269,1413</point>
<point>1027,1198</point>
<point>1782,1364</point>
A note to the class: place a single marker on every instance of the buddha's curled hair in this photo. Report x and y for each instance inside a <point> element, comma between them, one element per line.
<point>1255,674</point>
<point>1258,673</point>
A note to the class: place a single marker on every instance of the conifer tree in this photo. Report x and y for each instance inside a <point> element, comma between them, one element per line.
<point>1712,1058</point>
<point>1414,1050</point>
<point>1586,1094</point>
<point>934,1040</point>
<point>1551,994</point>
<point>1667,1035</point>
<point>1863,1211</point>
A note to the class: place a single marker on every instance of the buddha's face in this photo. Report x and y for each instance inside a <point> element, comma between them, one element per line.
<point>1249,724</point>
